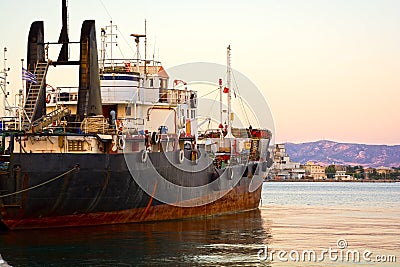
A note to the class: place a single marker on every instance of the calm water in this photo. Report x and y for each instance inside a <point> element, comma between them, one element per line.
<point>293,217</point>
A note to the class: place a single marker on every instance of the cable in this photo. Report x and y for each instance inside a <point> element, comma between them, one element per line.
<point>38,185</point>
<point>209,93</point>
<point>126,41</point>
<point>240,98</point>
<point>215,100</point>
<point>121,34</point>
<point>108,13</point>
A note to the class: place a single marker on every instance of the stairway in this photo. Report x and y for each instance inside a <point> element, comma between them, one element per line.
<point>33,94</point>
<point>48,119</point>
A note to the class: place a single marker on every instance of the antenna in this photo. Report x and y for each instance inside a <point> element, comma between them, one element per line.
<point>221,111</point>
<point>3,84</point>
<point>103,49</point>
<point>137,40</point>
<point>154,52</point>
<point>145,48</point>
<point>112,41</point>
<point>228,74</point>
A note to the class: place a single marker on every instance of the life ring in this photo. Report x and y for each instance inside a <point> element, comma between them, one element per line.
<point>144,155</point>
<point>48,98</point>
<point>114,144</point>
<point>153,138</point>
<point>181,156</point>
<point>121,142</point>
<point>166,145</point>
<point>157,138</point>
<point>230,174</point>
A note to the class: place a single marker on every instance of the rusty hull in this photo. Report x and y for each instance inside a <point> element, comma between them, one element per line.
<point>238,199</point>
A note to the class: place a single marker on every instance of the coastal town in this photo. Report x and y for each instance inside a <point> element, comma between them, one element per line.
<point>284,169</point>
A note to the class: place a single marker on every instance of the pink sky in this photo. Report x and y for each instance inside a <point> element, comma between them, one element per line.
<point>329,69</point>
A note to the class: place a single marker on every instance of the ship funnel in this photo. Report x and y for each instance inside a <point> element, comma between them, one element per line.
<point>89,96</point>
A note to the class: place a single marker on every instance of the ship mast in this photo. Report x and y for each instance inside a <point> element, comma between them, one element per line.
<point>145,48</point>
<point>228,78</point>
<point>103,49</point>
<point>221,111</point>
<point>111,42</point>
<point>3,86</point>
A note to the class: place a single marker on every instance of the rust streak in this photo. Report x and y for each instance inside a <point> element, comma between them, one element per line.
<point>25,184</point>
<point>101,193</point>
<point>150,201</point>
<point>61,193</point>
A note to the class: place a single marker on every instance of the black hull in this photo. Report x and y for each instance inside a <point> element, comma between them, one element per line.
<point>100,189</point>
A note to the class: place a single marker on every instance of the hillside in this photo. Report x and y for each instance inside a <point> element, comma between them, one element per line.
<point>328,152</point>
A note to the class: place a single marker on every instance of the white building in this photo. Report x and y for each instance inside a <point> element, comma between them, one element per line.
<point>284,168</point>
<point>340,174</point>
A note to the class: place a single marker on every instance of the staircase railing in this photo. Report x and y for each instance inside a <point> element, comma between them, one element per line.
<point>34,93</point>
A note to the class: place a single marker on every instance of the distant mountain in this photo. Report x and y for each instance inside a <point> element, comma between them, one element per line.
<point>328,152</point>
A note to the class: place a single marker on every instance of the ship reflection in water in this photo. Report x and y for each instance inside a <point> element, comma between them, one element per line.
<point>294,216</point>
<point>221,240</point>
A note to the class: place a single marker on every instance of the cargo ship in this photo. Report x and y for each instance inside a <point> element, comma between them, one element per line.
<point>123,147</point>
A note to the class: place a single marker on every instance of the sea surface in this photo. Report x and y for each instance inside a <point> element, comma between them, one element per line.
<point>298,224</point>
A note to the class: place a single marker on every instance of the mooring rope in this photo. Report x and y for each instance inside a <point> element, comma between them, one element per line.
<point>41,184</point>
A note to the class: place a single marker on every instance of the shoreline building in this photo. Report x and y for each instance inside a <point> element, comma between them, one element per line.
<point>315,171</point>
<point>340,174</point>
<point>284,168</point>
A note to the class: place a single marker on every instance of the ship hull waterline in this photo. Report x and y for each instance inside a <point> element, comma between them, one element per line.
<point>226,205</point>
<point>107,195</point>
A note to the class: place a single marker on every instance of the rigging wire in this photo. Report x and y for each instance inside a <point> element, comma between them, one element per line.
<point>121,34</point>
<point>208,125</point>
<point>209,93</point>
<point>119,48</point>
<point>126,41</point>
<point>108,13</point>
<point>212,105</point>
<point>240,98</point>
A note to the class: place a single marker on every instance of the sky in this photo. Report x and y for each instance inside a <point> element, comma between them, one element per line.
<point>329,69</point>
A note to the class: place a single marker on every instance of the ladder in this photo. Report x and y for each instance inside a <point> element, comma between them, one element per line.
<point>34,94</point>
<point>48,119</point>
